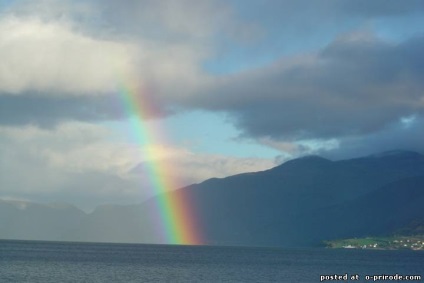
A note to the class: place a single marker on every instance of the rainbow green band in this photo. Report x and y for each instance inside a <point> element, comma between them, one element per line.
<point>175,210</point>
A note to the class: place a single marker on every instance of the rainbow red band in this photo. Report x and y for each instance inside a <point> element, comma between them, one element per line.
<point>177,219</point>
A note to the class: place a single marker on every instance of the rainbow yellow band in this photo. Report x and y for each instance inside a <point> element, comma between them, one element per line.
<point>177,217</point>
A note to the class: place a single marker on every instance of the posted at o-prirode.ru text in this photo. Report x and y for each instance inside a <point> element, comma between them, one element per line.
<point>368,277</point>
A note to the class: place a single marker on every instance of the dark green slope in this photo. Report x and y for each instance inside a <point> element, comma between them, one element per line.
<point>293,204</point>
<point>386,211</point>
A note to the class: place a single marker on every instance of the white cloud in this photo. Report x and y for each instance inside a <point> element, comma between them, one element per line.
<point>48,56</point>
<point>86,165</point>
<point>80,48</point>
<point>73,162</point>
<point>197,167</point>
<point>222,166</point>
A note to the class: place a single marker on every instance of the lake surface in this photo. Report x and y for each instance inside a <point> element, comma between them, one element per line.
<point>32,261</point>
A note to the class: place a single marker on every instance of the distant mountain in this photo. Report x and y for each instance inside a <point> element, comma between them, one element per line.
<point>299,203</point>
<point>310,199</point>
<point>117,223</point>
<point>32,221</point>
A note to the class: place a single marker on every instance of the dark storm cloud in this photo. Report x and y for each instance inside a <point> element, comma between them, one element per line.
<point>380,7</point>
<point>397,136</point>
<point>305,19</point>
<point>337,8</point>
<point>357,85</point>
<point>48,111</point>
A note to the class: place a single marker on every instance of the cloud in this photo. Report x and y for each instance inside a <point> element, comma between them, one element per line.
<point>357,85</point>
<point>85,164</point>
<point>50,74</point>
<point>399,135</point>
<point>350,93</point>
<point>380,7</point>
<point>309,13</point>
<point>36,109</point>
<point>187,18</point>
<point>299,147</point>
<point>189,167</point>
<point>50,57</point>
<point>73,162</point>
<point>62,61</point>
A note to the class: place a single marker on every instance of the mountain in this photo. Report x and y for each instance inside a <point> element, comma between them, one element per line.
<point>310,199</point>
<point>116,223</point>
<point>33,221</point>
<point>299,203</point>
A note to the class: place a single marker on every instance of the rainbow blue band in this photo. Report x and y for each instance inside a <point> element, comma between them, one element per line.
<point>177,218</point>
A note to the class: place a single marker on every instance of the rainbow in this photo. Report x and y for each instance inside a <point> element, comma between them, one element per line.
<point>176,216</point>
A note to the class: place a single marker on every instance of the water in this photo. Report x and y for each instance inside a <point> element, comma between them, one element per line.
<point>30,261</point>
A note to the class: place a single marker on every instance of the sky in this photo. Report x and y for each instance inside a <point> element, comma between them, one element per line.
<point>229,87</point>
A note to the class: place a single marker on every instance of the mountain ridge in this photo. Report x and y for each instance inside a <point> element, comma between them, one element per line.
<point>296,204</point>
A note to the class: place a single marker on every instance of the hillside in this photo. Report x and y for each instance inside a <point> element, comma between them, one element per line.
<point>299,203</point>
<point>306,200</point>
